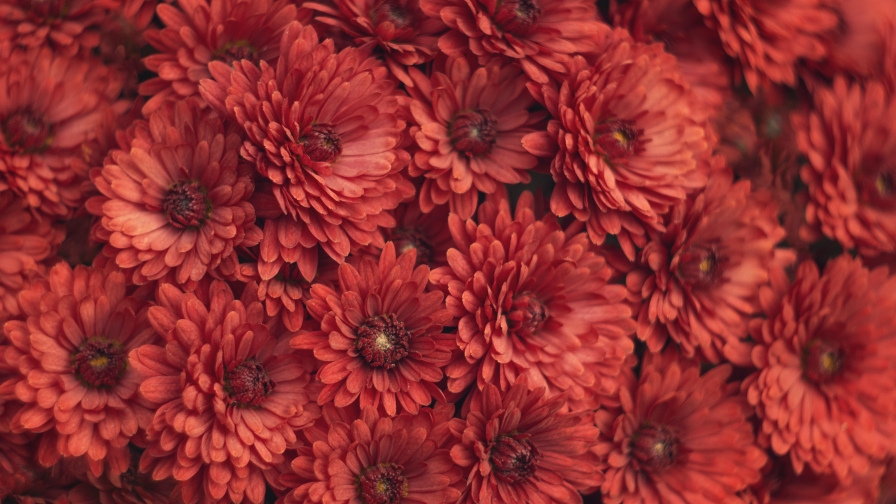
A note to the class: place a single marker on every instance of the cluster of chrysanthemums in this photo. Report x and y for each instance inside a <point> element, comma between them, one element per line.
<point>447,251</point>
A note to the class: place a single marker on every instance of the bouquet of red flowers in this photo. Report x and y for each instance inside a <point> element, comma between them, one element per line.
<point>447,251</point>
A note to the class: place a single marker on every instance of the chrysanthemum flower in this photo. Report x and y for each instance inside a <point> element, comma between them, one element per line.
<point>700,279</point>
<point>425,233</point>
<point>521,446</point>
<point>25,241</point>
<point>398,29</point>
<point>202,31</point>
<point>71,347</point>
<point>177,201</point>
<point>323,127</point>
<point>855,46</point>
<point>849,140</point>
<point>533,300</point>
<point>770,38</point>
<point>627,141</point>
<point>681,437</point>
<point>66,26</point>
<point>50,105</point>
<point>468,124</point>
<point>780,485</point>
<point>380,335</point>
<point>130,487</point>
<point>230,397</point>
<point>825,388</point>
<point>366,458</point>
<point>541,35</point>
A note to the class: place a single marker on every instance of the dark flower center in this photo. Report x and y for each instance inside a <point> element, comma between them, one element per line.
<point>236,51</point>
<point>878,188</point>
<point>822,360</point>
<point>529,312</point>
<point>100,362</point>
<point>27,132</point>
<point>655,446</point>
<point>247,384</point>
<point>412,239</point>
<point>513,457</point>
<point>187,204</point>
<point>699,266</point>
<point>517,17</point>
<point>473,132</point>
<point>322,143</point>
<point>383,341</point>
<point>382,484</point>
<point>617,139</point>
<point>393,12</point>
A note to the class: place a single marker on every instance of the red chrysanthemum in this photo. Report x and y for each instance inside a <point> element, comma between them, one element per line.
<point>230,397</point>
<point>825,388</point>
<point>700,279</point>
<point>323,127</point>
<point>380,335</point>
<point>71,348</point>
<point>849,139</point>
<point>533,300</point>
<point>367,458</point>
<point>177,201</point>
<point>680,437</point>
<point>627,141</point>
<point>425,233</point>
<point>202,31</point>
<point>855,46</point>
<point>678,25</point>
<point>521,446</point>
<point>780,485</point>
<point>50,105</point>
<point>468,124</point>
<point>398,29</point>
<point>770,38</point>
<point>66,26</point>
<point>25,241</point>
<point>540,34</point>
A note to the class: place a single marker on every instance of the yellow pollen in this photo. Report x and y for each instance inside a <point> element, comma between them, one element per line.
<point>880,183</point>
<point>381,486</point>
<point>382,342</point>
<point>621,137</point>
<point>829,362</point>
<point>99,362</point>
<point>705,265</point>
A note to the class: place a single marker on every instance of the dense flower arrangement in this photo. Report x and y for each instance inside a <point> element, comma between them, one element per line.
<point>447,251</point>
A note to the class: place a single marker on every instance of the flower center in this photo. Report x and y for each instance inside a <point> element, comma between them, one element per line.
<point>187,205</point>
<point>517,17</point>
<point>391,11</point>
<point>699,266</point>
<point>616,139</point>
<point>878,188</point>
<point>513,457</point>
<point>236,51</point>
<point>382,484</point>
<point>473,132</point>
<point>99,362</point>
<point>822,360</point>
<point>528,314</point>
<point>322,144</point>
<point>247,384</point>
<point>408,239</point>
<point>383,341</point>
<point>655,446</point>
<point>27,132</point>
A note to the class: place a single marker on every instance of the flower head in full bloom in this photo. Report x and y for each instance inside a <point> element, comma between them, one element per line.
<point>521,446</point>
<point>680,437</point>
<point>380,334</point>
<point>825,388</point>
<point>532,299</point>
<point>175,201</point>
<point>71,347</point>
<point>770,38</point>
<point>323,127</point>
<point>362,457</point>
<point>627,141</point>
<point>540,34</point>
<point>66,26</point>
<point>468,125</point>
<point>50,105</point>
<point>700,280</point>
<point>229,396</point>
<point>849,140</point>
<point>198,32</point>
<point>398,29</point>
